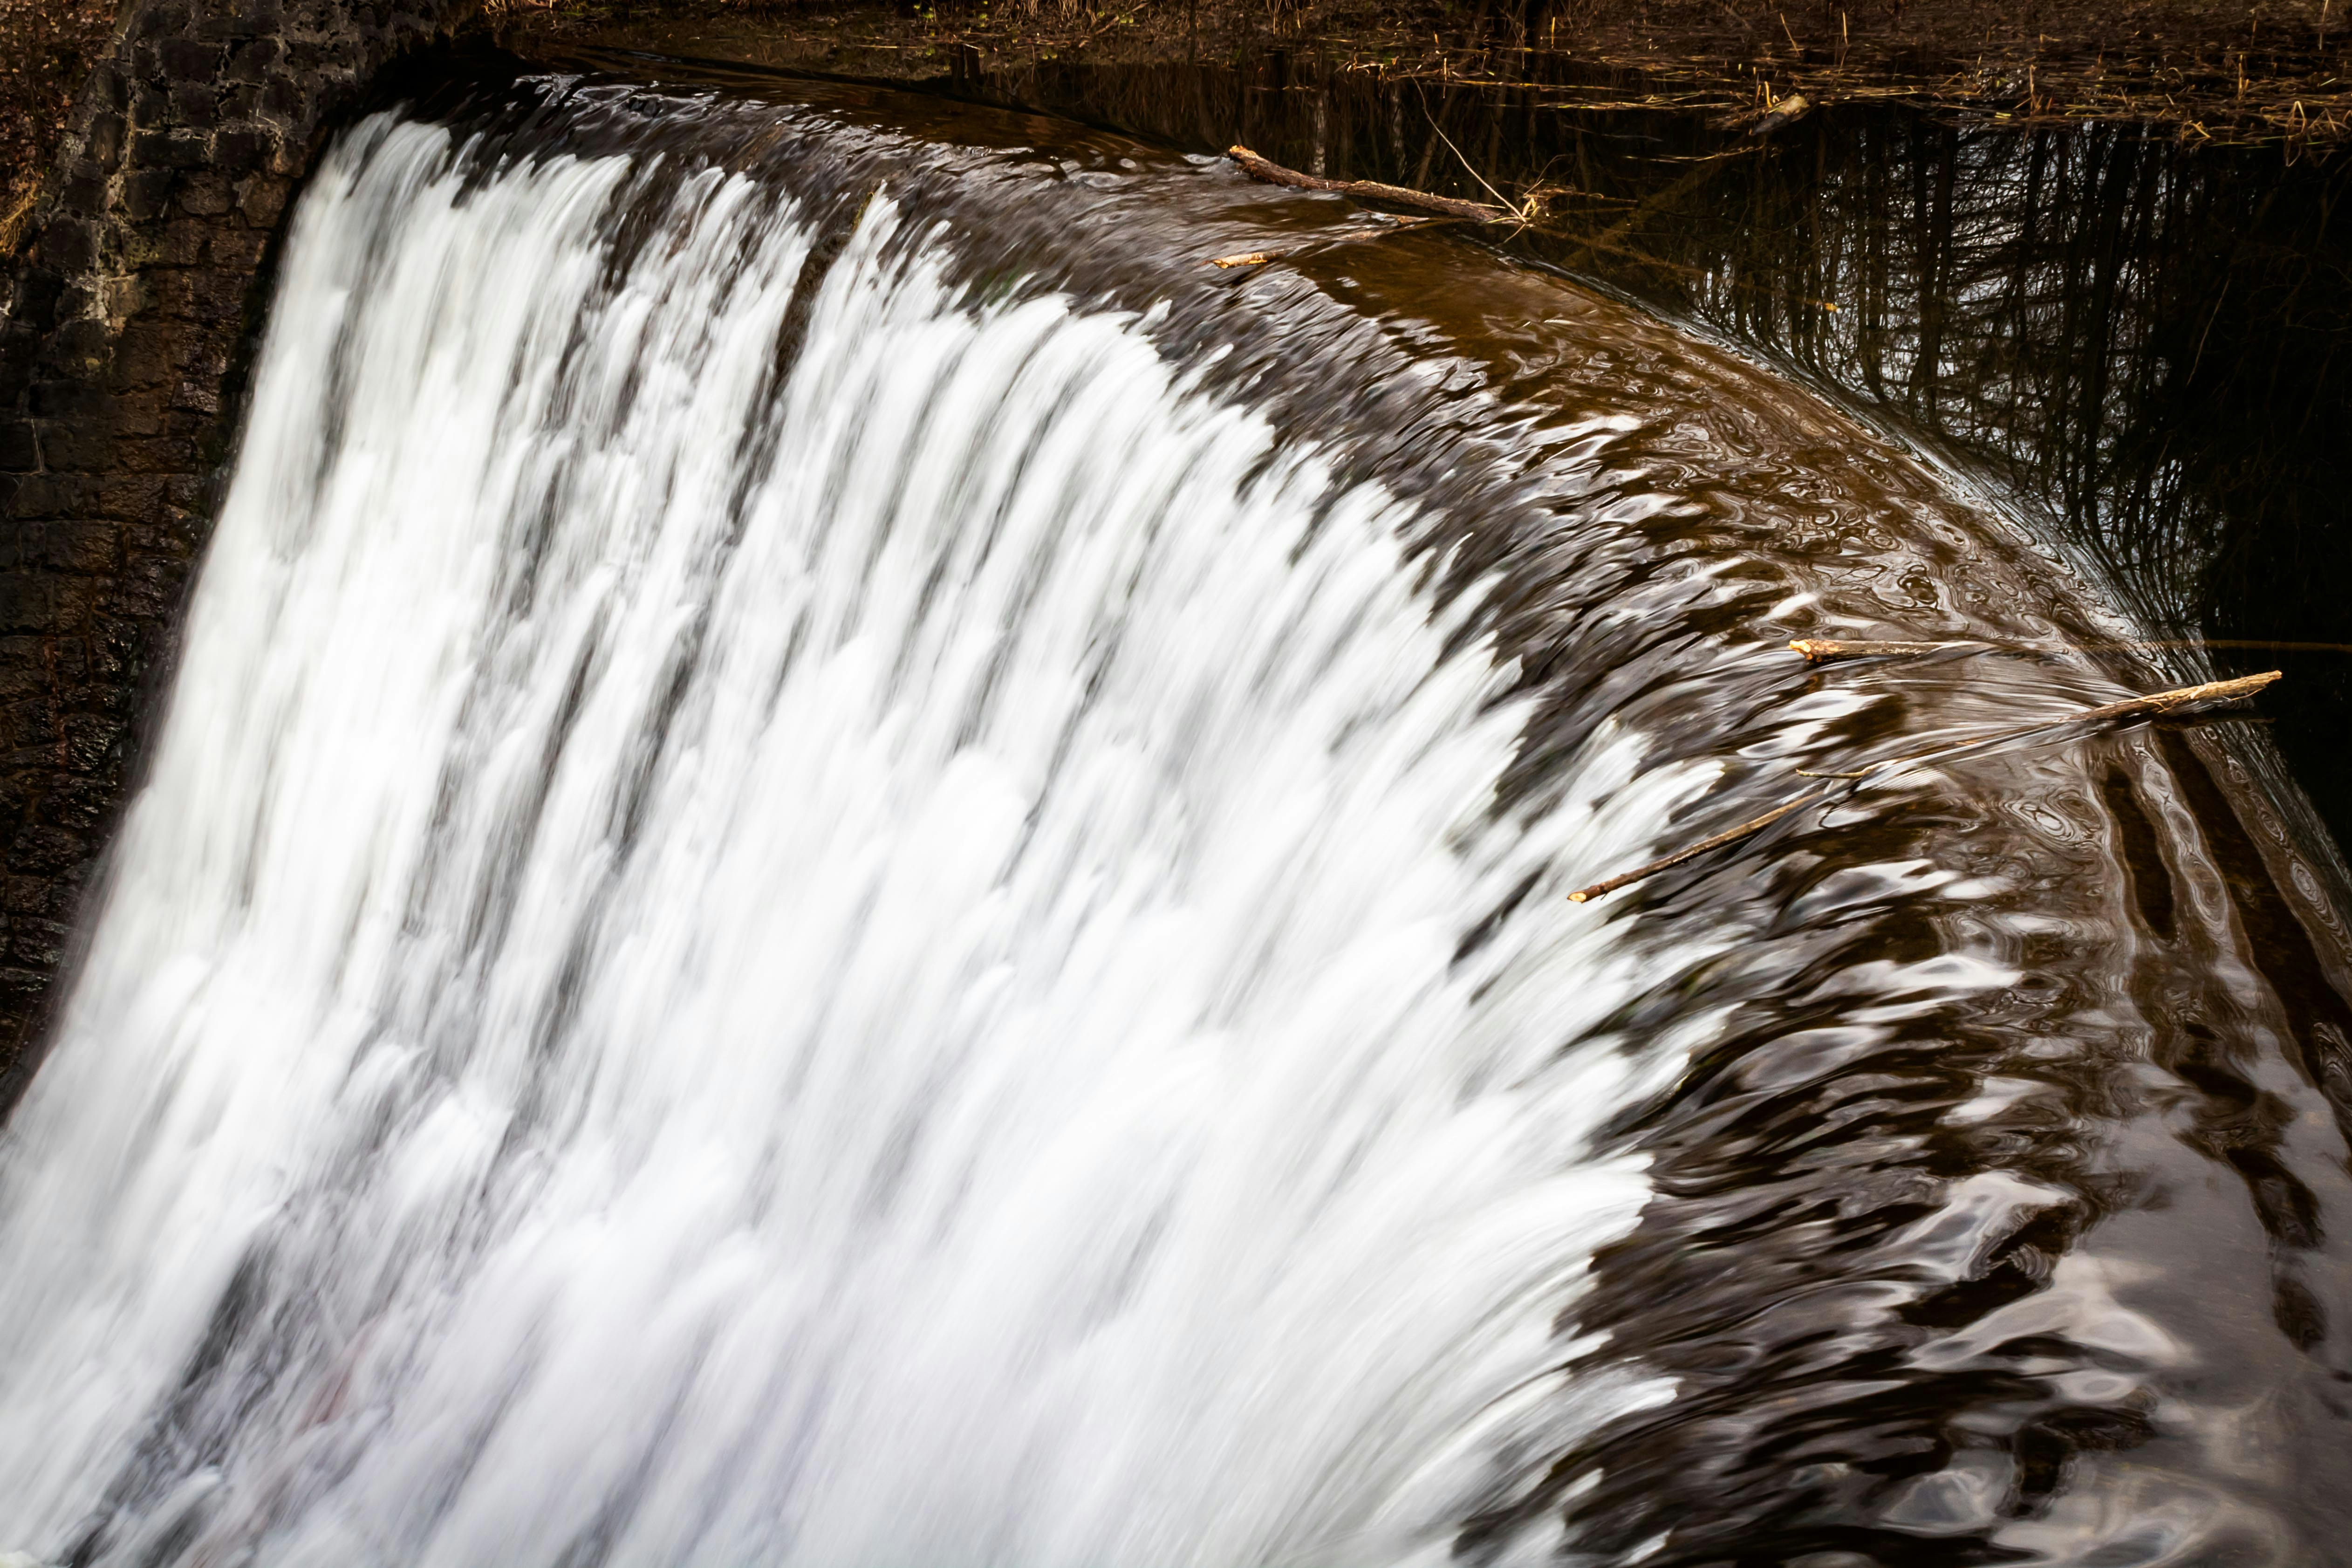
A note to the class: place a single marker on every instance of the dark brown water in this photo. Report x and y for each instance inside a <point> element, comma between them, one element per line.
<point>2147,343</point>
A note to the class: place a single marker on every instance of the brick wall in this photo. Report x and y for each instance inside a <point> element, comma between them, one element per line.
<point>123,313</point>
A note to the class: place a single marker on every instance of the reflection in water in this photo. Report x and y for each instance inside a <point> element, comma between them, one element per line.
<point>2151,343</point>
<point>852,866</point>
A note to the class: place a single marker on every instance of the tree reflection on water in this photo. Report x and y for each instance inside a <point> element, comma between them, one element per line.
<point>2147,342</point>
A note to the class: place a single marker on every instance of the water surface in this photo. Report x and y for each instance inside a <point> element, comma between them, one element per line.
<point>853,865</point>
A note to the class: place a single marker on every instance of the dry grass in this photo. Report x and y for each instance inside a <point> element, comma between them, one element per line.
<point>2272,69</point>
<point>2269,70</point>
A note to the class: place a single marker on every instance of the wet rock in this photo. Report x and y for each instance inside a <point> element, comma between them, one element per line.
<point>121,322</point>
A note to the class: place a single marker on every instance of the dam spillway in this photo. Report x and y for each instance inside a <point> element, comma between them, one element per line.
<point>851,867</point>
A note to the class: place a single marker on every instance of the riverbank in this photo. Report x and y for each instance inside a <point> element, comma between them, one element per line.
<point>2280,70</point>
<point>2275,70</point>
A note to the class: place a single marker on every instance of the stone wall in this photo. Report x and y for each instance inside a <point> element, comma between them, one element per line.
<point>125,312</point>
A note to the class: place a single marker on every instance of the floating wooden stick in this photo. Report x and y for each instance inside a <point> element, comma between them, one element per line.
<point>1826,650</point>
<point>2156,705</point>
<point>2181,700</point>
<point>1830,650</point>
<point>1275,174</point>
<point>1730,835</point>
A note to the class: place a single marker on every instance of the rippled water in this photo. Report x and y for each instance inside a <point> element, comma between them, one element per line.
<point>2140,337</point>
<point>851,866</point>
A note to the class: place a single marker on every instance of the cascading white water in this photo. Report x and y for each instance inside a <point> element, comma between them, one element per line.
<point>858,973</point>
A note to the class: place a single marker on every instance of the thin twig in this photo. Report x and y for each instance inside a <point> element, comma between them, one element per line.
<point>1275,174</point>
<point>2178,700</point>
<point>1474,174</point>
<point>2156,705</point>
<point>1823,650</point>
<point>1830,650</point>
<point>1730,835</point>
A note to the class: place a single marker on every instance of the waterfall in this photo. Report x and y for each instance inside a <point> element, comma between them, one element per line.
<point>780,917</point>
<point>845,864</point>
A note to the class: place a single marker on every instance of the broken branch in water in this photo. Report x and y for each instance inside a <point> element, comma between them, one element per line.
<point>1730,835</point>
<point>1275,174</point>
<point>1830,650</point>
<point>2156,705</point>
<point>1824,650</point>
<point>2181,700</point>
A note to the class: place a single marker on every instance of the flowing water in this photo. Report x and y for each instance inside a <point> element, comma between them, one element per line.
<point>850,866</point>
